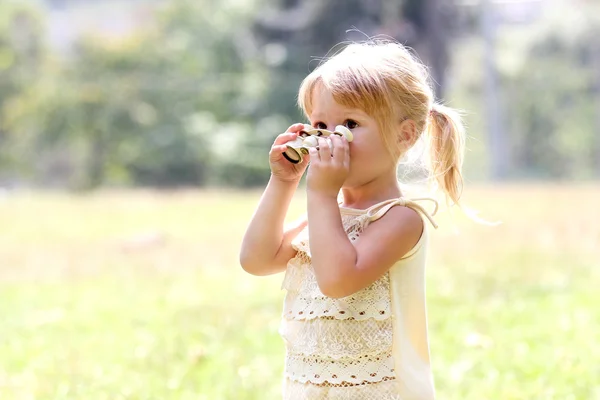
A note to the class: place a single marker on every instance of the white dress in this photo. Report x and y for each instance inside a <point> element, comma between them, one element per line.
<point>372,344</point>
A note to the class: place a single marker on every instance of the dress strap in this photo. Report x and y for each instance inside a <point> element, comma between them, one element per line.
<point>378,210</point>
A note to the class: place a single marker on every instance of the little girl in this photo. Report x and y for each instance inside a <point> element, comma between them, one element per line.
<point>354,319</point>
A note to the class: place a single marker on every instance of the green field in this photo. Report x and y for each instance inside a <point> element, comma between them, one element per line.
<point>138,295</point>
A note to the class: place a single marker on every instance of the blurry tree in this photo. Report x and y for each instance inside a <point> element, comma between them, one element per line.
<point>22,58</point>
<point>155,108</point>
<point>595,62</point>
<point>162,96</point>
<point>198,97</point>
<point>433,26</point>
<point>296,35</point>
<point>552,104</point>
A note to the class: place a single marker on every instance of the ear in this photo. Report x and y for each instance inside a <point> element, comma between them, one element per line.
<point>407,134</point>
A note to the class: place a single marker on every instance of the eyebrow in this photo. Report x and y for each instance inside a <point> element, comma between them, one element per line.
<point>346,113</point>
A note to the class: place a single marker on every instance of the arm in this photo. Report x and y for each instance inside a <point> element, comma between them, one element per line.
<point>266,247</point>
<point>343,267</point>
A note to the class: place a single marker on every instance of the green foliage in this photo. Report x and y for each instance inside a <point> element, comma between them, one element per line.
<point>150,108</point>
<point>553,101</point>
<point>197,96</point>
<point>549,79</point>
<point>22,59</point>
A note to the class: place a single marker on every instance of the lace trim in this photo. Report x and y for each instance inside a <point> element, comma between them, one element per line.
<point>385,390</point>
<point>301,243</point>
<point>294,274</point>
<point>304,300</point>
<point>328,338</point>
<point>343,372</point>
<point>353,225</point>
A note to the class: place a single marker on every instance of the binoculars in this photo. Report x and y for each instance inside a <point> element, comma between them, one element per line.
<point>309,137</point>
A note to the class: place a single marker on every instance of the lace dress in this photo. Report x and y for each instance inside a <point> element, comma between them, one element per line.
<point>369,345</point>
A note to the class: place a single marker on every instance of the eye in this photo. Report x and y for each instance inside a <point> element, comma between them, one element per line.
<point>320,125</point>
<point>351,124</point>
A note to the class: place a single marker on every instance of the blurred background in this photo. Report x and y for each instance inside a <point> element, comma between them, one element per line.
<point>134,137</point>
<point>191,93</point>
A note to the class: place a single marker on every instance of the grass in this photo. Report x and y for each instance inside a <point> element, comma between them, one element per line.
<point>138,295</point>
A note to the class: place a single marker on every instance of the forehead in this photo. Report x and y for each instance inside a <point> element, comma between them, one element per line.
<point>324,104</point>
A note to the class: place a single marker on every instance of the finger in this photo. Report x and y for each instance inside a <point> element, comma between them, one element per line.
<point>324,150</point>
<point>278,149</point>
<point>314,155</point>
<point>296,127</point>
<point>338,148</point>
<point>285,137</point>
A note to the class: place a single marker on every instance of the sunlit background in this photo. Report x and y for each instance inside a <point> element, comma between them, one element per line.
<point>133,148</point>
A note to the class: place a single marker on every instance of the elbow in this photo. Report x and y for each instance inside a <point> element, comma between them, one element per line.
<point>253,266</point>
<point>251,269</point>
<point>337,283</point>
<point>334,289</point>
<point>334,292</point>
<point>247,264</point>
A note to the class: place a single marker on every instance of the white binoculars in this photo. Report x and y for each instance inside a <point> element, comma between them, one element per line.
<point>308,137</point>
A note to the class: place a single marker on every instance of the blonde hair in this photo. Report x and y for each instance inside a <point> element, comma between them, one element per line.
<point>386,81</point>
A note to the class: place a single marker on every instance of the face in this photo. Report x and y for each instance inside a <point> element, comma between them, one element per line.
<point>369,157</point>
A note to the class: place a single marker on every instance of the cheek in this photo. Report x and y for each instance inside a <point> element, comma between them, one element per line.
<point>372,153</point>
<point>354,151</point>
<point>363,148</point>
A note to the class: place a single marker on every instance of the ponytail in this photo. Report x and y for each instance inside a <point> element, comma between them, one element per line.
<point>447,143</point>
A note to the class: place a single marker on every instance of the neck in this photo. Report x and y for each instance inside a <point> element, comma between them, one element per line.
<point>369,193</point>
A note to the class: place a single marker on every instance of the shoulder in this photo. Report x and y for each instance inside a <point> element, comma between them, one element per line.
<point>399,220</point>
<point>392,236</point>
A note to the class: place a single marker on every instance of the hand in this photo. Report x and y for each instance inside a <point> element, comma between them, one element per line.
<point>281,168</point>
<point>329,168</point>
